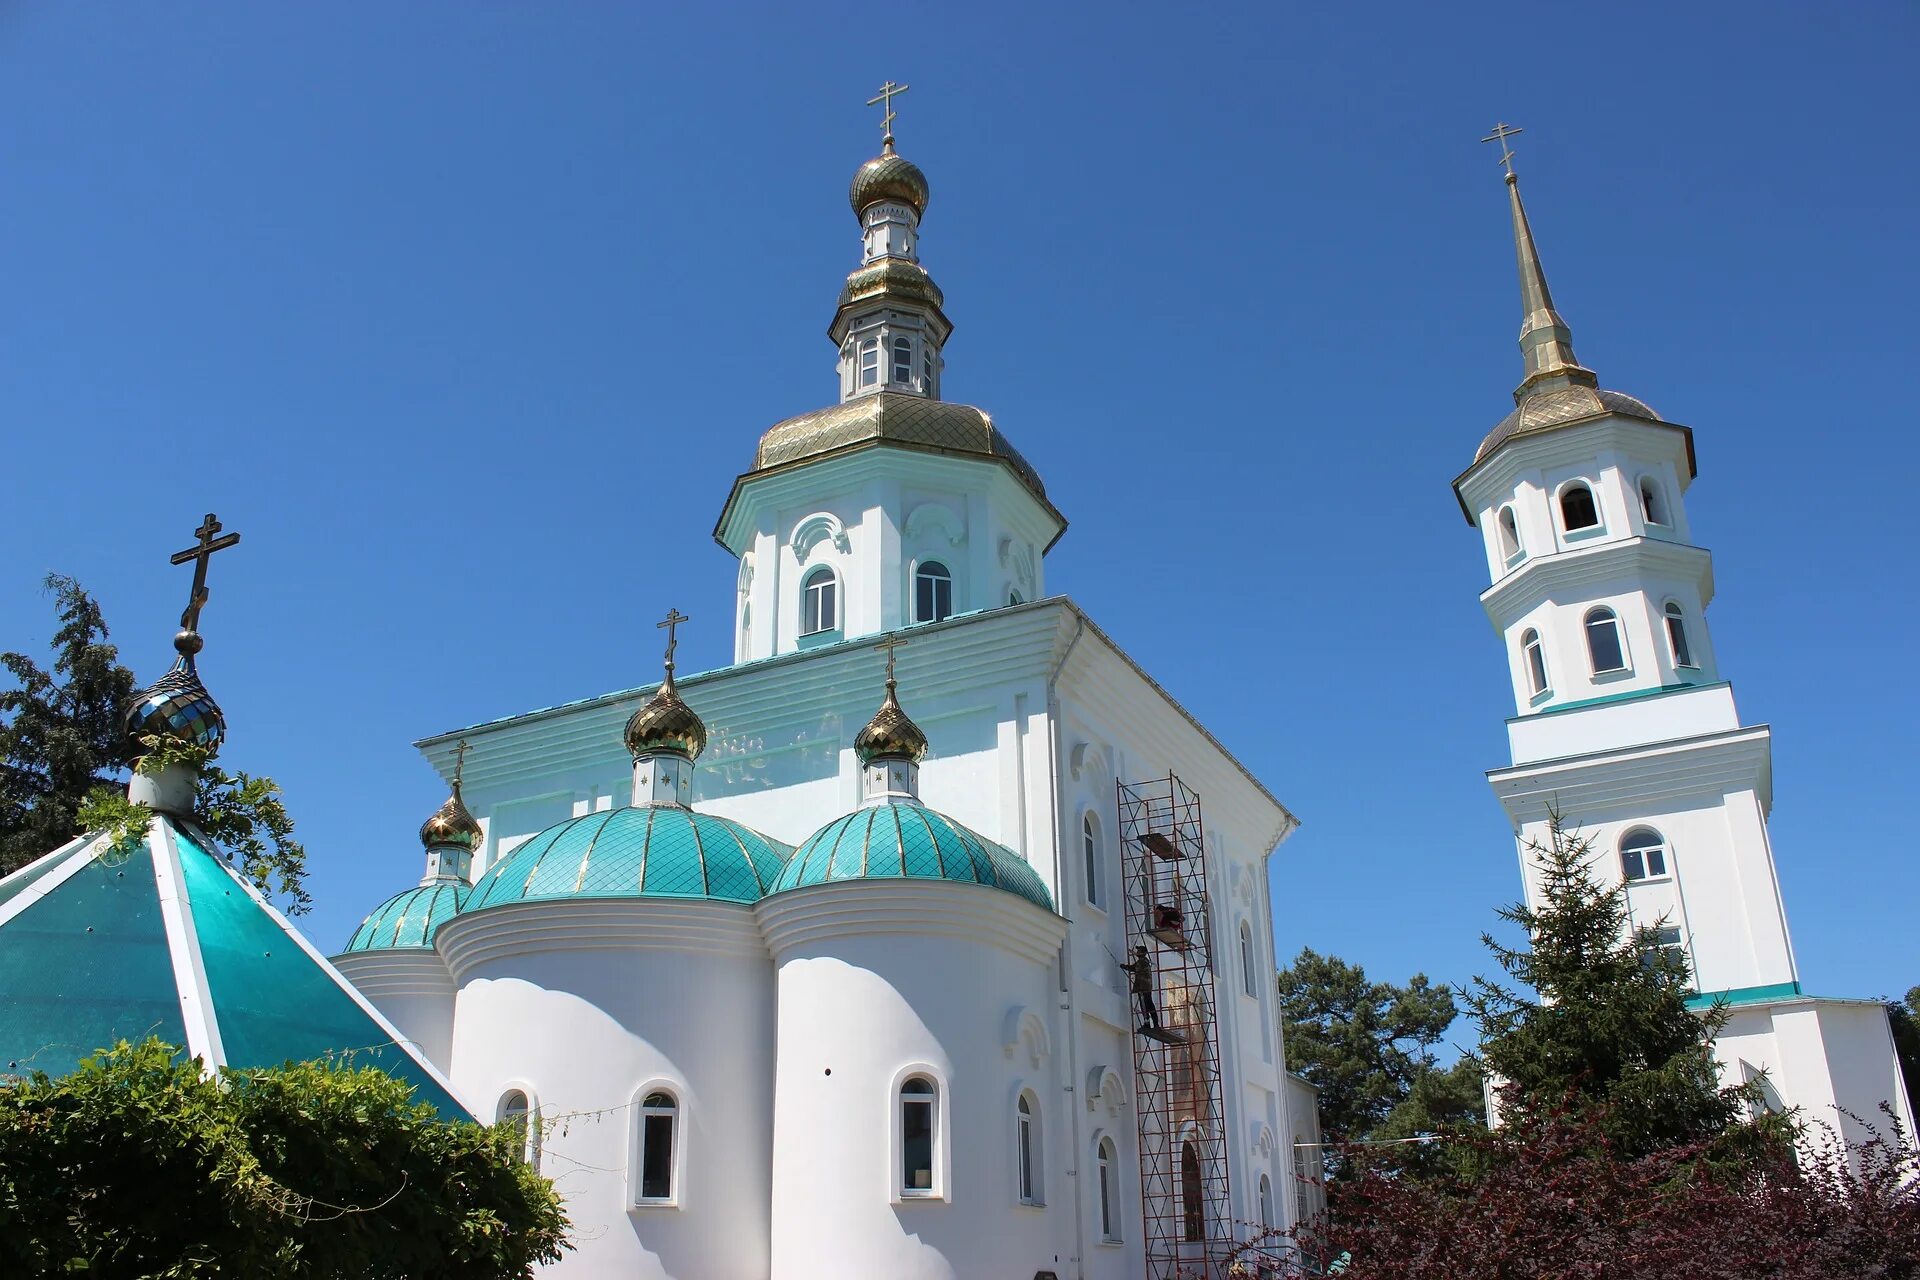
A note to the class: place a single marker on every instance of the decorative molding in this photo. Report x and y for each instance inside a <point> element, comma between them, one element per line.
<point>1104,1089</point>
<point>744,582</point>
<point>1023,1026</point>
<point>1084,759</point>
<point>936,518</point>
<point>821,526</point>
<point>1262,1138</point>
<point>1017,560</point>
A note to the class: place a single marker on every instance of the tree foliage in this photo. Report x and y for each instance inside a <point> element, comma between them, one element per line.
<point>64,753</point>
<point>1368,1048</point>
<point>139,1164</point>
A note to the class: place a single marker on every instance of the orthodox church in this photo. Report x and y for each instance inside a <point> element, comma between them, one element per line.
<point>900,947</point>
<point>1625,725</point>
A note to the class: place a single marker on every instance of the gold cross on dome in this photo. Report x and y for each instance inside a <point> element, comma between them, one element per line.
<point>887,646</point>
<point>200,553</point>
<point>669,624</point>
<point>885,102</point>
<point>1501,132</point>
<point>460,761</point>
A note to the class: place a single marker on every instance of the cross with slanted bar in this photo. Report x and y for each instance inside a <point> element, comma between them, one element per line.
<point>200,553</point>
<point>459,761</point>
<point>887,646</point>
<point>1501,132</point>
<point>668,624</point>
<point>885,103</point>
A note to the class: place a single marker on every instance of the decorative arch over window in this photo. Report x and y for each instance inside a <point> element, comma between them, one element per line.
<point>1534,654</point>
<point>1605,648</point>
<point>1105,1088</point>
<point>1509,535</point>
<point>1653,502</point>
<point>516,1110</point>
<point>1643,854</point>
<point>920,1140</point>
<point>1578,509</point>
<point>821,526</point>
<point>1677,635</point>
<point>1027,1149</point>
<point>932,592</point>
<point>931,521</point>
<point>819,602</point>
<point>1106,1164</point>
<point>1022,1026</point>
<point>1248,976</point>
<point>657,1141</point>
<point>1090,855</point>
<point>1193,1210</point>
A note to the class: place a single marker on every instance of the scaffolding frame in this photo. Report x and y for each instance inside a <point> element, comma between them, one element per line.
<point>1186,1205</point>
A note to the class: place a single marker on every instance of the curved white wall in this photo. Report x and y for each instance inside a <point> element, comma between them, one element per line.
<point>584,1004</point>
<point>878,978</point>
<point>413,990</point>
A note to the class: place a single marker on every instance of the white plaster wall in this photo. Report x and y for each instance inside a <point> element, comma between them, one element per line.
<point>413,990</point>
<point>1833,1059</point>
<point>586,1004</point>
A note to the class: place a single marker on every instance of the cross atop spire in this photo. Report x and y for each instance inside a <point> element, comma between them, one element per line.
<point>200,553</point>
<point>670,624</point>
<point>1546,343</point>
<point>459,762</point>
<point>887,646</point>
<point>884,100</point>
<point>1501,132</point>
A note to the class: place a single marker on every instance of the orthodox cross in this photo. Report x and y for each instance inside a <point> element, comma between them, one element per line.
<point>459,761</point>
<point>887,646</point>
<point>1500,134</point>
<point>200,553</point>
<point>673,619</point>
<point>885,103</point>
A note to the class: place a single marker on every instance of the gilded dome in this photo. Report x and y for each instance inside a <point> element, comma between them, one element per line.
<point>451,824</point>
<point>891,734</point>
<point>665,723</point>
<point>888,176</point>
<point>1545,410</point>
<point>908,841</point>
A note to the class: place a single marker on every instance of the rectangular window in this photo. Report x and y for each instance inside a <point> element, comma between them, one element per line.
<point>1026,1161</point>
<point>656,1158</point>
<point>916,1145</point>
<point>817,612</point>
<point>1106,1197</point>
<point>869,361</point>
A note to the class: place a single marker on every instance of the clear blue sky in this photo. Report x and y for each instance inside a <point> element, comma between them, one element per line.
<point>466,315</point>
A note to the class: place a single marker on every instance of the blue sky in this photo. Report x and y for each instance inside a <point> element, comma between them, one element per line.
<point>452,309</point>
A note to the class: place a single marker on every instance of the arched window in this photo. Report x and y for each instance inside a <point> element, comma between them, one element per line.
<point>516,1112</point>
<point>1302,1204</point>
<point>1105,1163</point>
<point>1193,1214</point>
<point>1578,510</point>
<point>819,602</point>
<point>1677,636</point>
<point>903,360</point>
<point>659,1130</point>
<point>1653,504</point>
<point>1247,975</point>
<point>1026,1138</point>
<point>1643,854</point>
<point>1266,1203</point>
<point>1604,648</point>
<point>869,361</point>
<point>1013,597</point>
<point>932,592</point>
<point>918,1116</point>
<point>1090,852</point>
<point>1535,655</point>
<point>1509,535</point>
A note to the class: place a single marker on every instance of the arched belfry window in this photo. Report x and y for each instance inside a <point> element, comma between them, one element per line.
<point>1643,854</point>
<point>1578,510</point>
<point>1509,535</point>
<point>1090,853</point>
<point>903,361</point>
<point>919,1120</point>
<point>869,362</point>
<point>516,1112</point>
<point>1193,1213</point>
<point>1677,635</point>
<point>819,602</point>
<point>932,592</point>
<point>1604,646</point>
<point>1653,502</point>
<point>1534,654</point>
<point>1026,1137</point>
<point>659,1135</point>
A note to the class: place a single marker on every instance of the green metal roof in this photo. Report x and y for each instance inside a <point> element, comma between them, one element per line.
<point>406,921</point>
<point>910,841</point>
<point>660,851</point>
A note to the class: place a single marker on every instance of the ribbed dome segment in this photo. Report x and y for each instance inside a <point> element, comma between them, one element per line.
<point>665,723</point>
<point>909,841</point>
<point>889,176</point>
<point>451,824</point>
<point>177,706</point>
<point>656,852</point>
<point>406,921</point>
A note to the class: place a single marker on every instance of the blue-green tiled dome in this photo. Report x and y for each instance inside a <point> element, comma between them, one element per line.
<point>407,920</point>
<point>911,840</point>
<point>655,852</point>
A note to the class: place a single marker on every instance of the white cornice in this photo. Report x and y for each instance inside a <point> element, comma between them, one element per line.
<point>596,924</point>
<point>1566,574</point>
<point>1575,442</point>
<point>415,971</point>
<point>1709,764</point>
<point>897,906</point>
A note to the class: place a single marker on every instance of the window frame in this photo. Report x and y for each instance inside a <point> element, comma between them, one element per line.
<point>936,574</point>
<point>867,374</point>
<point>1106,1163</point>
<point>674,1113</point>
<point>1647,487</point>
<point>1248,966</point>
<point>1029,1184</point>
<point>1266,1203</point>
<point>940,1154</point>
<point>529,1119</point>
<point>1533,660</point>
<point>1506,523</point>
<point>1193,1201</point>
<point>900,366</point>
<point>1641,846</point>
<point>1587,622</point>
<point>1674,614</point>
<point>1572,532</point>
<point>814,577</point>
<point>1090,849</point>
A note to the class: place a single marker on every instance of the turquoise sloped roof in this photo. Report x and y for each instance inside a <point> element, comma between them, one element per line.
<point>655,852</point>
<point>911,841</point>
<point>406,921</point>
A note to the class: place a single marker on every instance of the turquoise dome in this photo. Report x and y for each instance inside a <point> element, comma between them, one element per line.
<point>655,852</point>
<point>891,841</point>
<point>406,921</point>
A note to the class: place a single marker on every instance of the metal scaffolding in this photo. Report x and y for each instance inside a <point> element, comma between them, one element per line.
<point>1176,1044</point>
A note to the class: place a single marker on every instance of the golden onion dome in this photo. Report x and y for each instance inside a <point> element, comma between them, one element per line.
<point>665,723</point>
<point>891,734</point>
<point>888,176</point>
<point>451,824</point>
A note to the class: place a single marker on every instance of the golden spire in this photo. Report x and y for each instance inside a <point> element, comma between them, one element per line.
<point>1546,343</point>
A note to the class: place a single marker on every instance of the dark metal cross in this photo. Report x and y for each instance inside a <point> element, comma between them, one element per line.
<point>885,103</point>
<point>1500,134</point>
<point>673,619</point>
<point>200,554</point>
<point>887,646</point>
<point>459,761</point>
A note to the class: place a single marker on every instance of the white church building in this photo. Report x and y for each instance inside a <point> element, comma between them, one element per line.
<point>1625,724</point>
<point>836,964</point>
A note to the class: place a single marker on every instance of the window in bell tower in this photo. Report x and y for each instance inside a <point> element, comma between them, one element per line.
<point>1536,659</point>
<point>903,361</point>
<point>869,361</point>
<point>1577,508</point>
<point>1653,504</point>
<point>1603,641</point>
<point>1677,636</point>
<point>1509,536</point>
<point>932,592</point>
<point>819,604</point>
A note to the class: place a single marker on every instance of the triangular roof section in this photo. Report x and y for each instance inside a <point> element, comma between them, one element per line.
<point>159,936</point>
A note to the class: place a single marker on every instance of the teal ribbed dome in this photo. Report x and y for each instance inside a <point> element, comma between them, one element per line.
<point>890,841</point>
<point>406,921</point>
<point>656,852</point>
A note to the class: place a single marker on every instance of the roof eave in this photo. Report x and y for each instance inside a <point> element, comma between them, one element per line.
<point>1693,465</point>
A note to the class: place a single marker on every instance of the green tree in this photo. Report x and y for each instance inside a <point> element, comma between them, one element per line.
<point>1368,1048</point>
<point>1610,1025</point>
<point>138,1164</point>
<point>64,754</point>
<point>1905,1017</point>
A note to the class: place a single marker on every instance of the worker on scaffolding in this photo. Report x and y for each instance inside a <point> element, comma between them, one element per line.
<point>1141,981</point>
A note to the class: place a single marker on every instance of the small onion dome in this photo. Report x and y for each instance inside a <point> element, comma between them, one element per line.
<point>888,176</point>
<point>177,705</point>
<point>451,824</point>
<point>406,921</point>
<point>665,723</point>
<point>911,841</point>
<point>890,735</point>
<point>657,852</point>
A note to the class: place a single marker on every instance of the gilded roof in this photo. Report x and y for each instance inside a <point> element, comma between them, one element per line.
<point>889,176</point>
<point>888,417</point>
<point>451,824</point>
<point>666,723</point>
<point>890,734</point>
<point>892,278</point>
<point>1544,410</point>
